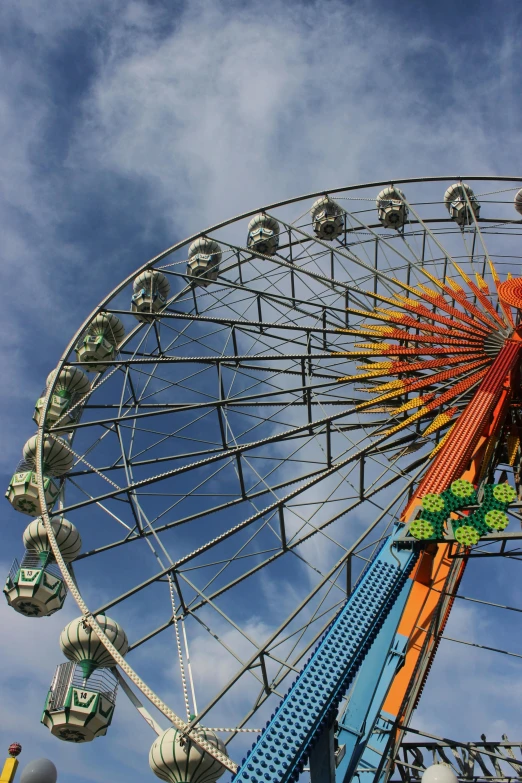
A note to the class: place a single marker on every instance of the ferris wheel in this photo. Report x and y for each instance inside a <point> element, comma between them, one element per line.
<point>279,441</point>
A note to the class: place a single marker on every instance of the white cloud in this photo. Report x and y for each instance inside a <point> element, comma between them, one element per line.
<point>472,691</point>
<point>237,109</point>
<point>228,107</point>
<point>234,110</point>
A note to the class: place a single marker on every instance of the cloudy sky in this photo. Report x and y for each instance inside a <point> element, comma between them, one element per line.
<point>126,125</point>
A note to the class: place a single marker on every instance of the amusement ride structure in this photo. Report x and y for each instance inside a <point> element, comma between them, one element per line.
<point>280,441</point>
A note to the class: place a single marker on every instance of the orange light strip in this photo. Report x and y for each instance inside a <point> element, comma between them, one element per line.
<point>480,296</point>
<point>389,316</point>
<point>407,386</point>
<point>401,334</point>
<point>505,309</point>
<point>435,298</point>
<point>385,369</point>
<point>383,349</point>
<point>413,306</point>
<point>455,291</point>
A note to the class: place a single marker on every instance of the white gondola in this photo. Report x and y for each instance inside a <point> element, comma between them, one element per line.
<point>71,386</point>
<point>22,492</point>
<point>35,587</point>
<point>81,699</point>
<point>80,644</point>
<point>393,212</point>
<point>79,709</point>
<point>263,234</point>
<point>67,537</point>
<point>57,457</point>
<point>204,257</point>
<point>456,200</point>
<point>100,342</point>
<point>327,218</point>
<point>175,759</point>
<point>151,291</point>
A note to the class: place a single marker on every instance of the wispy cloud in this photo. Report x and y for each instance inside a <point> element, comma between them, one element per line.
<point>127,126</point>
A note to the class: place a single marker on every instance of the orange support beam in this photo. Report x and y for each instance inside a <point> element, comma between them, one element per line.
<point>461,456</point>
<point>454,457</point>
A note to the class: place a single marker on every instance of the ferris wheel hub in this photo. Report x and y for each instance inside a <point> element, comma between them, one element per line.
<point>510,292</point>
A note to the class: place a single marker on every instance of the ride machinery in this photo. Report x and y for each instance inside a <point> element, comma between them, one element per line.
<point>242,385</point>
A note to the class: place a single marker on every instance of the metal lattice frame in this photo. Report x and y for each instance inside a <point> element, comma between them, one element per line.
<point>237,387</point>
<point>491,760</point>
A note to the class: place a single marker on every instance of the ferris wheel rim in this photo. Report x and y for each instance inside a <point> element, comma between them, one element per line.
<point>63,361</point>
<point>273,205</point>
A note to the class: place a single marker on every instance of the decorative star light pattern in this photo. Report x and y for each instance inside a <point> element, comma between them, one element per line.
<point>444,341</point>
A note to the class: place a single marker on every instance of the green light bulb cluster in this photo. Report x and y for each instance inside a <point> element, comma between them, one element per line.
<point>491,515</point>
<point>429,526</point>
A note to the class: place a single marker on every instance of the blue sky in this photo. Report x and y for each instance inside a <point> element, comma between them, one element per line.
<point>126,126</point>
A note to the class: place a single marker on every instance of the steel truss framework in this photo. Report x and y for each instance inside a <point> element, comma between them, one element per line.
<point>494,761</point>
<point>234,477</point>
